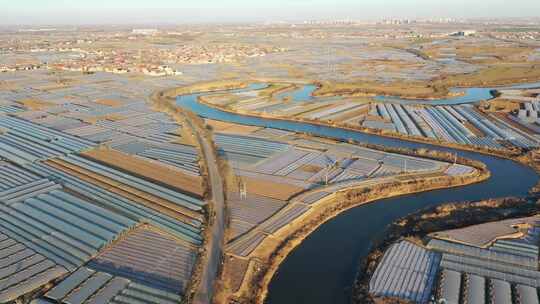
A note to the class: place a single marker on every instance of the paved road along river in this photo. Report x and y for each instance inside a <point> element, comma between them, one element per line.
<point>323,267</point>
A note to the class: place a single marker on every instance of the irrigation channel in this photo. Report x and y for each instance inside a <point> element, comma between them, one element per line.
<point>323,267</point>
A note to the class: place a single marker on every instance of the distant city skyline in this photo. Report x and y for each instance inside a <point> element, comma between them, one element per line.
<point>202,11</point>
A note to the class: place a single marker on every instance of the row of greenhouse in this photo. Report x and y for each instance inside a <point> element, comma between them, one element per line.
<point>55,224</point>
<point>89,230</point>
<point>453,272</point>
<point>461,124</point>
<point>466,288</point>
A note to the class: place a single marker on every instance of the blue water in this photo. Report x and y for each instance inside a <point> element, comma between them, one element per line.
<point>304,93</point>
<point>472,95</point>
<point>322,268</point>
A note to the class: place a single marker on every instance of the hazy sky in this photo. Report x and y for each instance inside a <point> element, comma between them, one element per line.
<point>188,11</point>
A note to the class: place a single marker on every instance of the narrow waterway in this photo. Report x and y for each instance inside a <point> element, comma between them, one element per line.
<point>465,95</point>
<point>304,93</point>
<point>470,95</point>
<point>323,267</point>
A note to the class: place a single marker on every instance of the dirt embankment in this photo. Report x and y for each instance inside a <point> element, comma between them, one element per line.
<point>204,87</point>
<point>412,90</point>
<point>275,89</point>
<point>418,225</point>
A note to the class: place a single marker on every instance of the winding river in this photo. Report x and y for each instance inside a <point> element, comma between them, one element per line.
<point>323,267</point>
<point>470,95</point>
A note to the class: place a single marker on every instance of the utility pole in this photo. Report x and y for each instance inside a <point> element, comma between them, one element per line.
<point>326,175</point>
<point>243,190</point>
<point>328,168</point>
<point>330,68</point>
<point>405,165</point>
<point>328,60</point>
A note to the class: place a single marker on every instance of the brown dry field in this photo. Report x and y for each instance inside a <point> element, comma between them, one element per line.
<point>367,88</point>
<point>351,114</point>
<point>276,88</point>
<point>52,87</point>
<point>311,168</point>
<point>140,197</point>
<point>499,53</point>
<point>494,75</point>
<point>500,105</point>
<point>293,71</point>
<point>110,117</point>
<point>235,272</point>
<point>148,169</point>
<point>35,104</point>
<point>109,102</point>
<point>224,99</point>
<point>504,117</point>
<point>310,109</point>
<point>270,189</point>
<point>474,129</point>
<point>225,127</point>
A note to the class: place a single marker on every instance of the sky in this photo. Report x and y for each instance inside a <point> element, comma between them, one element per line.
<point>21,12</point>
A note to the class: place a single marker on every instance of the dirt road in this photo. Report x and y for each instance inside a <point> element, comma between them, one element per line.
<point>214,248</point>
